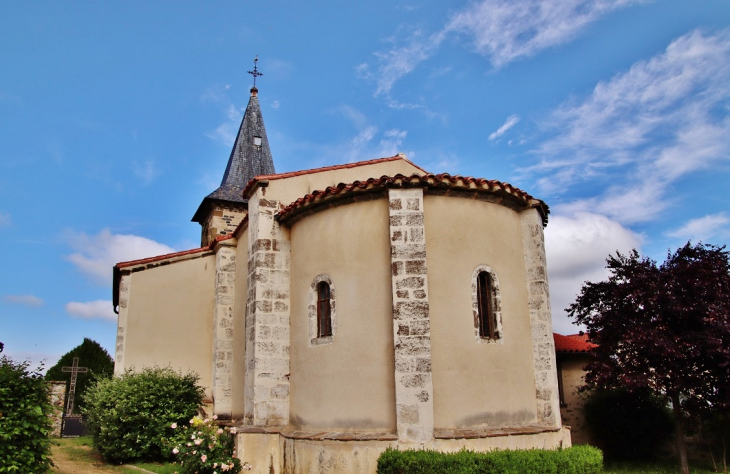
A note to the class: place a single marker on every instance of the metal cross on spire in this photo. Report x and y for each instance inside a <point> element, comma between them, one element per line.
<point>74,369</point>
<point>255,73</point>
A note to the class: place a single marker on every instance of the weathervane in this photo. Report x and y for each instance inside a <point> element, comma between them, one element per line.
<point>255,73</point>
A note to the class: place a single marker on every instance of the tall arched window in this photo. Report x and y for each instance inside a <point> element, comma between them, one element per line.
<point>324,315</point>
<point>487,305</point>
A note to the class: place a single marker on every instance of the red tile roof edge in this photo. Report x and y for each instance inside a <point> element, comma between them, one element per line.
<point>166,256</point>
<point>439,180</point>
<point>573,343</point>
<point>290,174</point>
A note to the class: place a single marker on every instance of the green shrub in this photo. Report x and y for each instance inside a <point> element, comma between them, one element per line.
<point>24,419</point>
<point>575,460</point>
<point>130,416</point>
<point>628,426</point>
<point>202,447</point>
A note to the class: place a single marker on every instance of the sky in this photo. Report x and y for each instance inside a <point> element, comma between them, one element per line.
<point>117,118</point>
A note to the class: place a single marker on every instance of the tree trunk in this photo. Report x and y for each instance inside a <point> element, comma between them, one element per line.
<point>681,448</point>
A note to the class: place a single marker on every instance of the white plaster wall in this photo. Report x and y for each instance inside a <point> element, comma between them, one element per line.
<point>477,384</point>
<point>290,189</point>
<point>348,384</point>
<point>170,318</point>
<point>572,414</point>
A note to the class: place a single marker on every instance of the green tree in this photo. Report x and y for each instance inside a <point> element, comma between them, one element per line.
<point>665,328</point>
<point>24,419</point>
<point>92,356</point>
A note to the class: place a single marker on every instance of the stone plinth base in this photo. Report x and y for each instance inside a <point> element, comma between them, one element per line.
<point>282,450</point>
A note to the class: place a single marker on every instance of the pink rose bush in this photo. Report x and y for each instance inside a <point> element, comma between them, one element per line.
<point>205,448</point>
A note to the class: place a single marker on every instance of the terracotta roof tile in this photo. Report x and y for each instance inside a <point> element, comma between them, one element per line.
<point>427,180</point>
<point>182,253</point>
<point>572,343</point>
<point>291,174</point>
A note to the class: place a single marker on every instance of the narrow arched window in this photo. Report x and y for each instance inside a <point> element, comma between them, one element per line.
<point>486,305</point>
<point>324,316</point>
<point>487,322</point>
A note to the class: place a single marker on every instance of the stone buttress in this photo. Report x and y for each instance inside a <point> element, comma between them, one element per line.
<point>266,392</point>
<point>411,325</point>
<point>222,374</point>
<point>543,346</point>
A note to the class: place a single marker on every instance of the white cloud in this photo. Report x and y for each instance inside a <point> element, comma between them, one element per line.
<point>146,171</point>
<point>511,121</point>
<point>505,30</point>
<point>502,30</point>
<point>215,93</point>
<point>704,228</point>
<point>5,220</point>
<point>96,254</point>
<point>275,105</point>
<point>643,130</point>
<point>25,300</point>
<point>577,246</point>
<point>99,309</point>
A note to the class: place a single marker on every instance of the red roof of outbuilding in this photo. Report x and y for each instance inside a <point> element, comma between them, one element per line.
<point>572,343</point>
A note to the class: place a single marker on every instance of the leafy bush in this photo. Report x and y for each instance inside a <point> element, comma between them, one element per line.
<point>575,460</point>
<point>628,426</point>
<point>24,419</point>
<point>204,448</point>
<point>92,356</point>
<point>129,416</point>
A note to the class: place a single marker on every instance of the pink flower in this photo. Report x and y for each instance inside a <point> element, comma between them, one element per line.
<point>203,458</point>
<point>173,426</point>
<point>198,441</point>
<point>215,417</point>
<point>191,420</point>
<point>175,450</point>
<point>220,431</point>
<point>190,444</point>
<point>192,437</point>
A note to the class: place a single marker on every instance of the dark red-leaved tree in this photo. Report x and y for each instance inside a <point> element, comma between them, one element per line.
<point>663,327</point>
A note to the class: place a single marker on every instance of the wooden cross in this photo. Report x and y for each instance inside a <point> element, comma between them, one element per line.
<point>74,369</point>
<point>255,73</point>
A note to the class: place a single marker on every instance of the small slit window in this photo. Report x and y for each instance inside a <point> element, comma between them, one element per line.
<point>486,304</point>
<point>487,324</point>
<point>324,316</point>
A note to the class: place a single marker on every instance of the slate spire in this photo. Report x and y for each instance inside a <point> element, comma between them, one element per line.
<point>251,156</point>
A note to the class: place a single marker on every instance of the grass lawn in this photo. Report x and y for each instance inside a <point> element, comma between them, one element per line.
<point>650,468</point>
<point>73,455</point>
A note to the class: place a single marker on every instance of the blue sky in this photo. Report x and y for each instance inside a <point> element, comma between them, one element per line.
<point>116,119</point>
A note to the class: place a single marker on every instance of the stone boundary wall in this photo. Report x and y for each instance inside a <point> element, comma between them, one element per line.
<point>411,324</point>
<point>541,324</point>
<point>57,395</point>
<point>222,373</point>
<point>266,390</point>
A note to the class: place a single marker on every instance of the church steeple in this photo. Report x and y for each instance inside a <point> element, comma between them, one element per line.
<point>222,210</point>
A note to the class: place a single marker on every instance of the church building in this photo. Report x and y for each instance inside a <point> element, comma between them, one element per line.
<point>333,312</point>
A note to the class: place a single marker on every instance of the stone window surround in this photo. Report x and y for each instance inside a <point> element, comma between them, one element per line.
<point>496,310</point>
<point>314,340</point>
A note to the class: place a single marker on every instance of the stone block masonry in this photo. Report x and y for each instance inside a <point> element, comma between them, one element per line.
<point>124,287</point>
<point>266,392</point>
<point>225,279</point>
<point>541,324</point>
<point>411,324</point>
